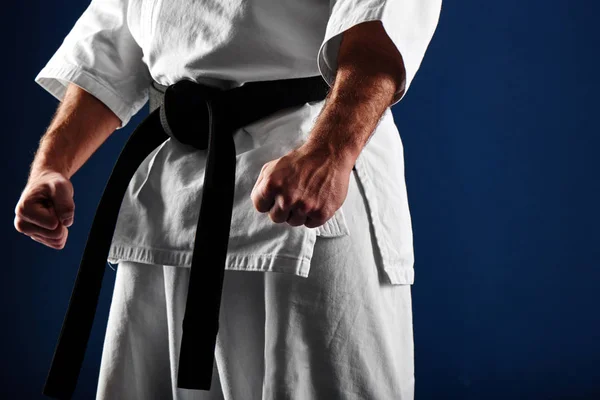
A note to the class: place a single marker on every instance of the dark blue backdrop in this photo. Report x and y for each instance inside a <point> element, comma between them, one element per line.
<point>501,142</point>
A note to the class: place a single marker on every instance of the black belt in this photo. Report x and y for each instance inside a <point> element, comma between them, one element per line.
<point>205,118</point>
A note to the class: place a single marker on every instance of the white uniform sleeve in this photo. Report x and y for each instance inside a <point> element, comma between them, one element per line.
<point>100,55</point>
<point>410,24</point>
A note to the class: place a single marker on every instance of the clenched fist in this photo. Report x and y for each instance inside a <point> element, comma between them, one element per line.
<point>46,208</point>
<point>304,187</point>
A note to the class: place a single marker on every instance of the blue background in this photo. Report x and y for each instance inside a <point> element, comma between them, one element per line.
<point>501,144</point>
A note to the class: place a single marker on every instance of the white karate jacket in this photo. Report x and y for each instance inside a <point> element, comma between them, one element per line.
<point>117,47</point>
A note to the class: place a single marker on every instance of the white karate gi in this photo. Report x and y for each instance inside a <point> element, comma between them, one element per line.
<point>117,47</point>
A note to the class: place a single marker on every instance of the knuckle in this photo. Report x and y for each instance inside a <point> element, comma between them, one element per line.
<point>60,180</point>
<point>273,217</point>
<point>272,185</point>
<point>259,202</point>
<point>20,209</point>
<point>269,186</point>
<point>276,215</point>
<point>296,221</point>
<point>68,208</point>
<point>328,214</point>
<point>254,198</point>
<point>318,215</point>
<point>308,206</point>
<point>259,206</point>
<point>19,225</point>
<point>320,222</point>
<point>26,202</point>
<point>63,186</point>
<point>45,186</point>
<point>312,223</point>
<point>255,194</point>
<point>301,206</point>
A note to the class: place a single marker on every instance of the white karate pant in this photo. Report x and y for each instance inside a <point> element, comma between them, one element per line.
<point>342,333</point>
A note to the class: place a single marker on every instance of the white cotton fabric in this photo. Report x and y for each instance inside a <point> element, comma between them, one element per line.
<point>117,47</point>
<point>340,333</point>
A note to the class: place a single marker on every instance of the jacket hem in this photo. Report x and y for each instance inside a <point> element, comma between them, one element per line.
<point>234,262</point>
<point>400,276</point>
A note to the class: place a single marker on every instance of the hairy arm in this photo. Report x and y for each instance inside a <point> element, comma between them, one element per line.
<point>307,185</point>
<point>370,71</point>
<point>79,126</point>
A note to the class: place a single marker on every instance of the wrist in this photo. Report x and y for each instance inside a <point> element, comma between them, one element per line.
<point>342,129</point>
<point>330,147</point>
<point>44,165</point>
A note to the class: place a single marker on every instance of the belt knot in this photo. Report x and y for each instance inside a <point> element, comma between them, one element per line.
<point>187,111</point>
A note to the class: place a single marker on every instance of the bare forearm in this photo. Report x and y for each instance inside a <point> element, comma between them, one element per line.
<point>369,73</point>
<point>79,126</point>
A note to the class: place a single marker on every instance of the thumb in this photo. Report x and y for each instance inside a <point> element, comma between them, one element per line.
<point>64,206</point>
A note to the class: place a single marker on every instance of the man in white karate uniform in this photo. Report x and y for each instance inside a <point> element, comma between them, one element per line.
<point>316,296</point>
